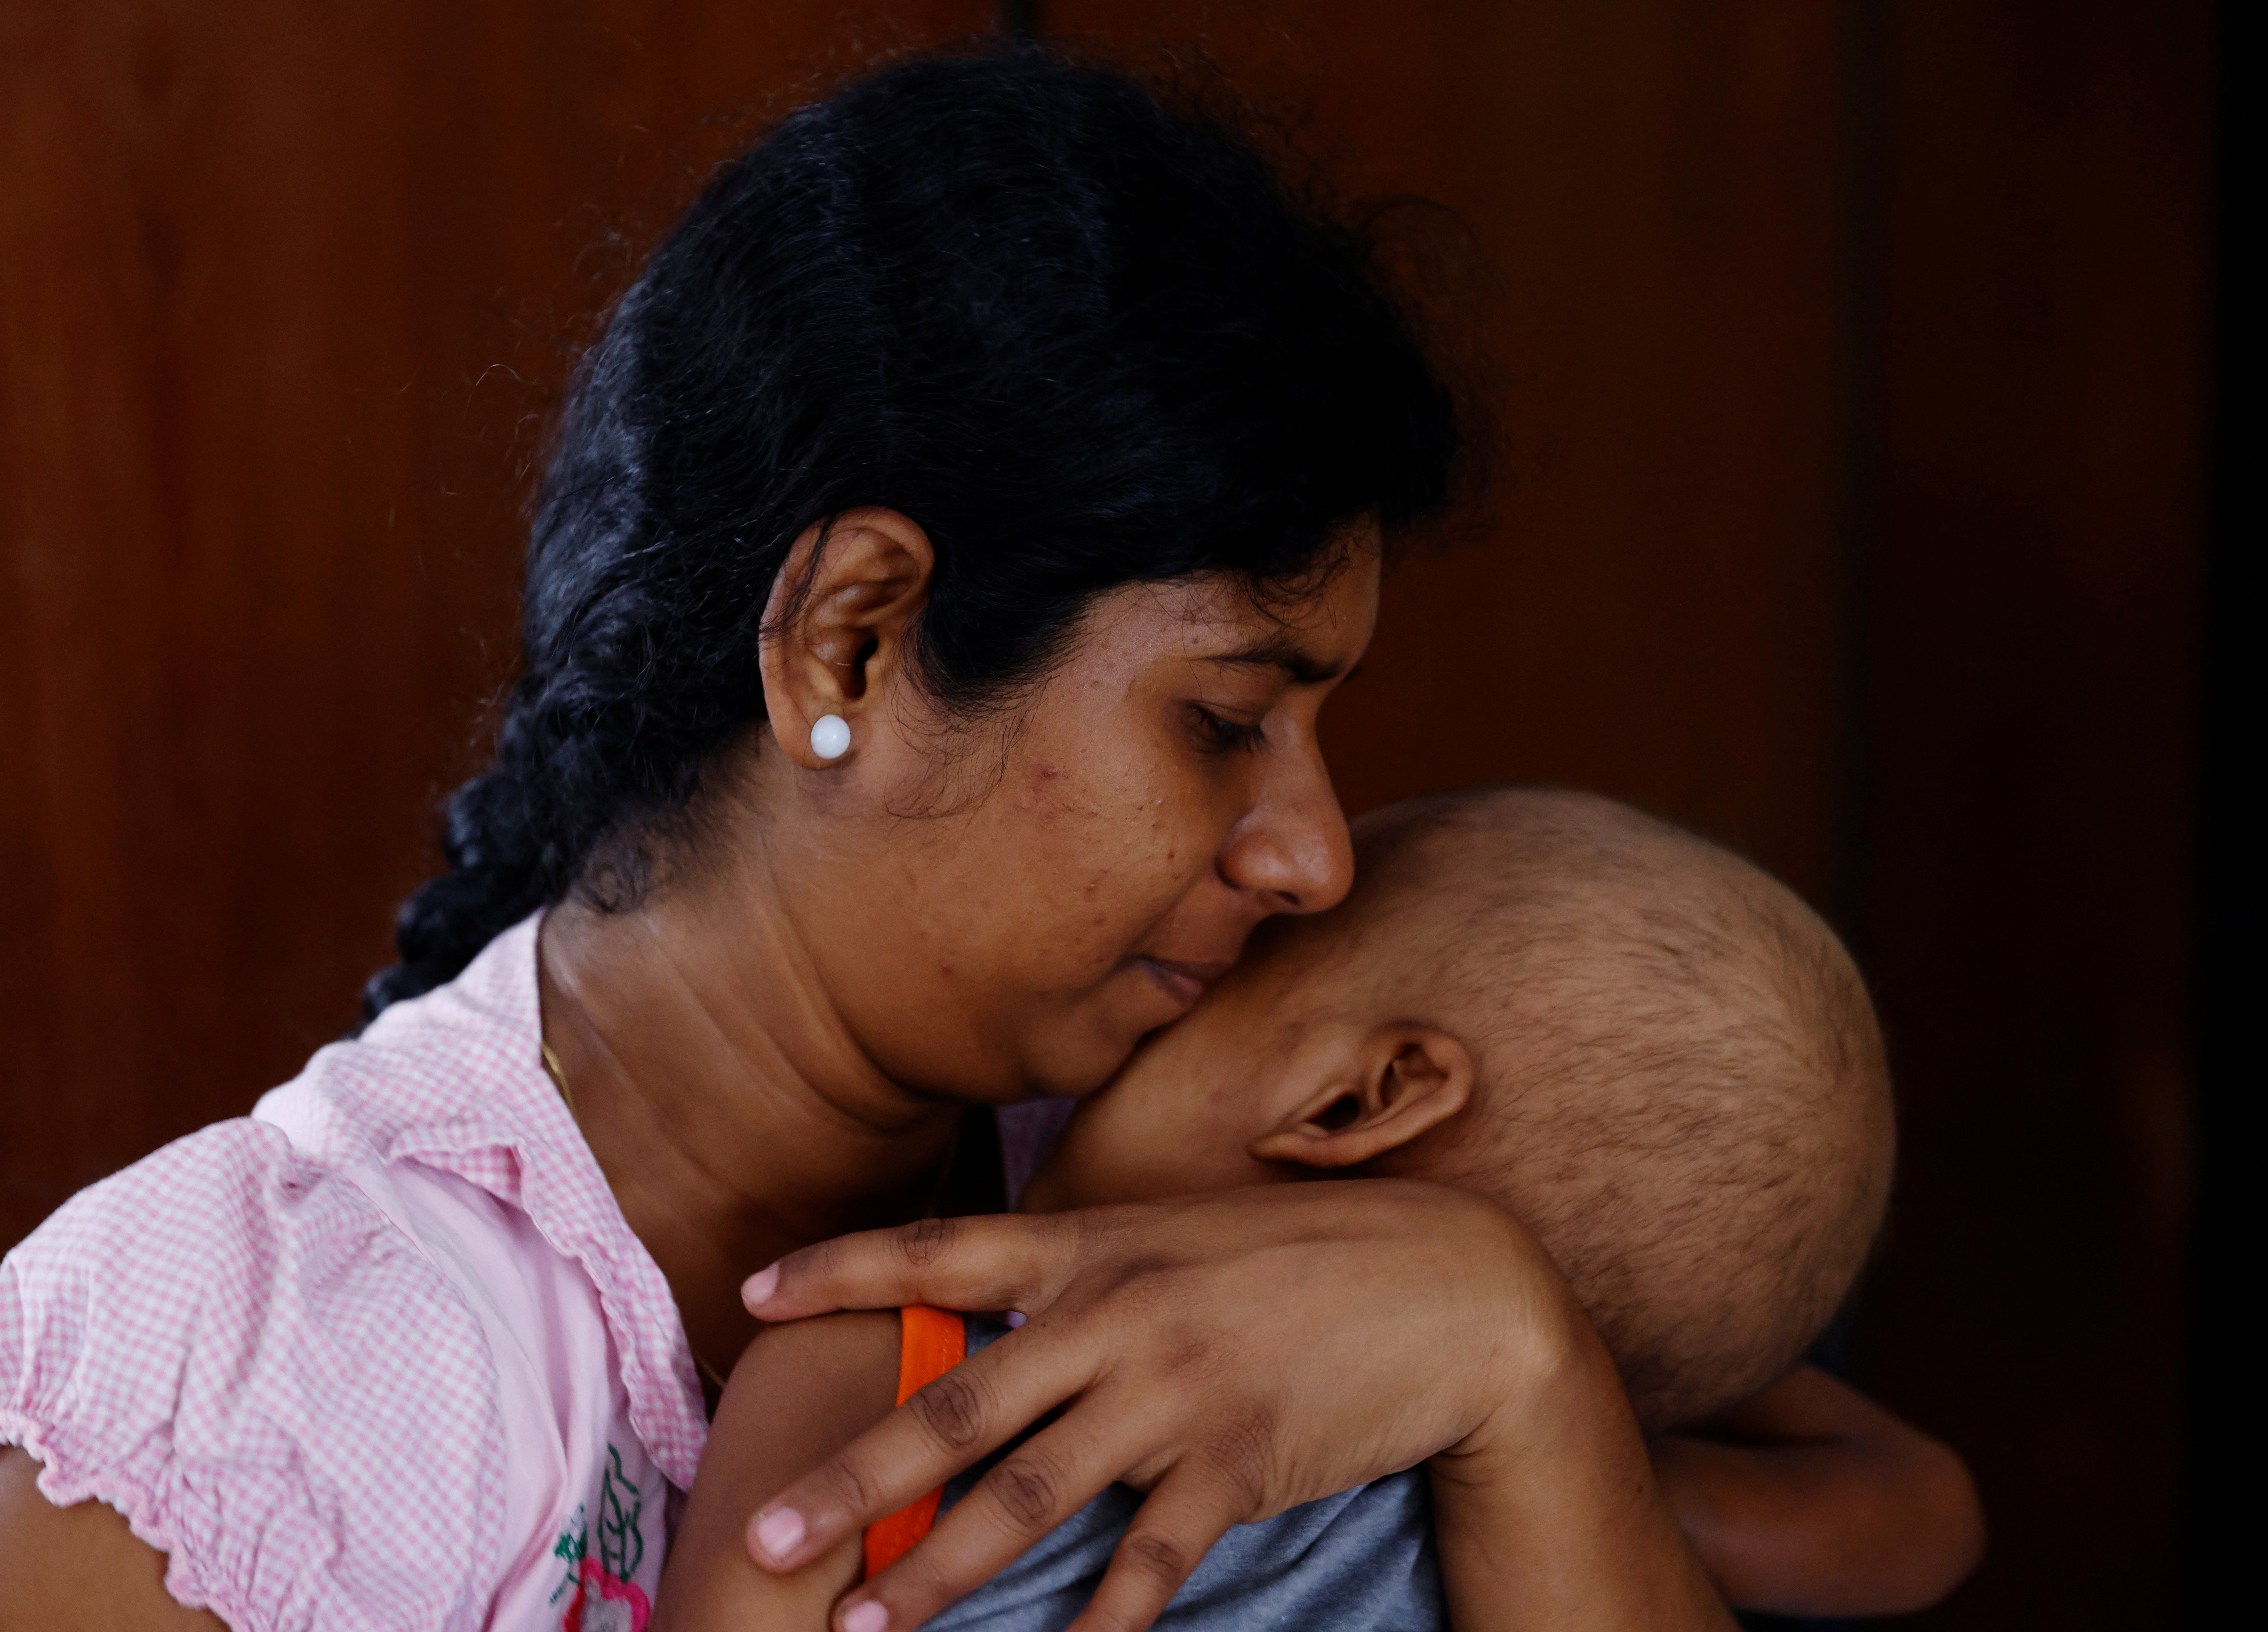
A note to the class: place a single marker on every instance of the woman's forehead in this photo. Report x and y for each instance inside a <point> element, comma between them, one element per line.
<point>1311,636</point>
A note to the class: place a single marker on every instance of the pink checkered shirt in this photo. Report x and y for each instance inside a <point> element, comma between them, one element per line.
<point>383,1354</point>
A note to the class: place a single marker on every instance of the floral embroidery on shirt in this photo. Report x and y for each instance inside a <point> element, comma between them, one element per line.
<point>604,1599</point>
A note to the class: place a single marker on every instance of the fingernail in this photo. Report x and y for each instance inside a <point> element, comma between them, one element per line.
<point>779,1534</point>
<point>1015,1318</point>
<point>759,1287</point>
<point>866,1615</point>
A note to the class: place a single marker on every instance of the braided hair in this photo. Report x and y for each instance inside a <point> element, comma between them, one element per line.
<point>1081,337</point>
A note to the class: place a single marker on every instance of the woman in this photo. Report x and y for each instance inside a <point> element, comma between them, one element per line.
<point>949,546</point>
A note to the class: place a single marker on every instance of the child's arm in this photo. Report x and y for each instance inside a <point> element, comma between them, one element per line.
<point>1811,1499</point>
<point>801,1392</point>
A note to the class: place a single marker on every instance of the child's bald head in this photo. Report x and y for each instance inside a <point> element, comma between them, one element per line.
<point>1680,1083</point>
<point>1647,1050</point>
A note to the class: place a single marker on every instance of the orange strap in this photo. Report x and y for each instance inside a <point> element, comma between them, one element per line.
<point>931,1342</point>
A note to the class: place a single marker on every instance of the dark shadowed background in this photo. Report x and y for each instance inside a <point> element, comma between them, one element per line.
<point>1856,367</point>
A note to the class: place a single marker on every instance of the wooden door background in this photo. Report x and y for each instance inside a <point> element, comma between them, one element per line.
<point>1852,365</point>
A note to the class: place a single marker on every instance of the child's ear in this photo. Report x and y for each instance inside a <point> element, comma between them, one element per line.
<point>1402,1080</point>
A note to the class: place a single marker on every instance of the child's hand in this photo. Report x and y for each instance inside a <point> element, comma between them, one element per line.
<point>1811,1499</point>
<point>1234,1354</point>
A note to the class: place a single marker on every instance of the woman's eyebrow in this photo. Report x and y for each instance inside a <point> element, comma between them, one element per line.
<point>1282,651</point>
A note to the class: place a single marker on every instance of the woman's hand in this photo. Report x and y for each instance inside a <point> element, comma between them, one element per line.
<point>1235,1355</point>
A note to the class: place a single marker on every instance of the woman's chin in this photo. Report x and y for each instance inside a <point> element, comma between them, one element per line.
<point>1113,1023</point>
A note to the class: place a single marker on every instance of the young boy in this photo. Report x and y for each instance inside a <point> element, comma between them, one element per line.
<point>1562,1004</point>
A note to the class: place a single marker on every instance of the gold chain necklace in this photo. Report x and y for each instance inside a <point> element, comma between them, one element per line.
<point>559,1080</point>
<point>558,1075</point>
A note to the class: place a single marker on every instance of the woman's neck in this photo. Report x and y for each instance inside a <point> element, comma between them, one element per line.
<point>733,1115</point>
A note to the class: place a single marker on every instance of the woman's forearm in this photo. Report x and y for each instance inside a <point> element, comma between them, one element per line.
<point>1565,1527</point>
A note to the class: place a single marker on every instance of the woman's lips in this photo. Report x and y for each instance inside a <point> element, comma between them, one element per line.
<point>1183,983</point>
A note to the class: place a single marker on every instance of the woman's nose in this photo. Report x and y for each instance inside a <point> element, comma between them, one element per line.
<point>1292,848</point>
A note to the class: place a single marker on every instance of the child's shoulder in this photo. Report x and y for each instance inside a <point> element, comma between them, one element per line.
<point>802,1391</point>
<point>855,1347</point>
<point>817,1382</point>
<point>799,1393</point>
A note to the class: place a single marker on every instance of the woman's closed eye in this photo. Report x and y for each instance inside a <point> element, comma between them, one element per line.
<point>1222,733</point>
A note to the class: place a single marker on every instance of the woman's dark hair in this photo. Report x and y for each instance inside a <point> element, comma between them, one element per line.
<point>1081,339</point>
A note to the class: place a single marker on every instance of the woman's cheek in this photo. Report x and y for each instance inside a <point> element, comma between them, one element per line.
<point>1112,823</point>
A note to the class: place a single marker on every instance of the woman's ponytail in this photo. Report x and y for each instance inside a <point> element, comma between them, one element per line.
<point>493,882</point>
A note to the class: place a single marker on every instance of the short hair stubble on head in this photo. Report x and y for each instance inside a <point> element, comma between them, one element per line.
<point>1681,1086</point>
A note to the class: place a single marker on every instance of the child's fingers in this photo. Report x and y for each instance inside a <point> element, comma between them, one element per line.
<point>1037,1487</point>
<point>1188,1512</point>
<point>964,1416</point>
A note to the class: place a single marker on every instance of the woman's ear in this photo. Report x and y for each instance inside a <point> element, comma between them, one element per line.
<point>1405,1079</point>
<point>835,628</point>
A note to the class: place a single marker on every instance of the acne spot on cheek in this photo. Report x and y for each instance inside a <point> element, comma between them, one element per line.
<point>1035,791</point>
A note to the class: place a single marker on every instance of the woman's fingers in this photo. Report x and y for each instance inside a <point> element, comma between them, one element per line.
<point>1237,1345</point>
<point>998,1262</point>
<point>1035,1488</point>
<point>960,1418</point>
<point>1176,1528</point>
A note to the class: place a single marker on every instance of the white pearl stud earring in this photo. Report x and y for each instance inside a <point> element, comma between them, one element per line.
<point>830,737</point>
